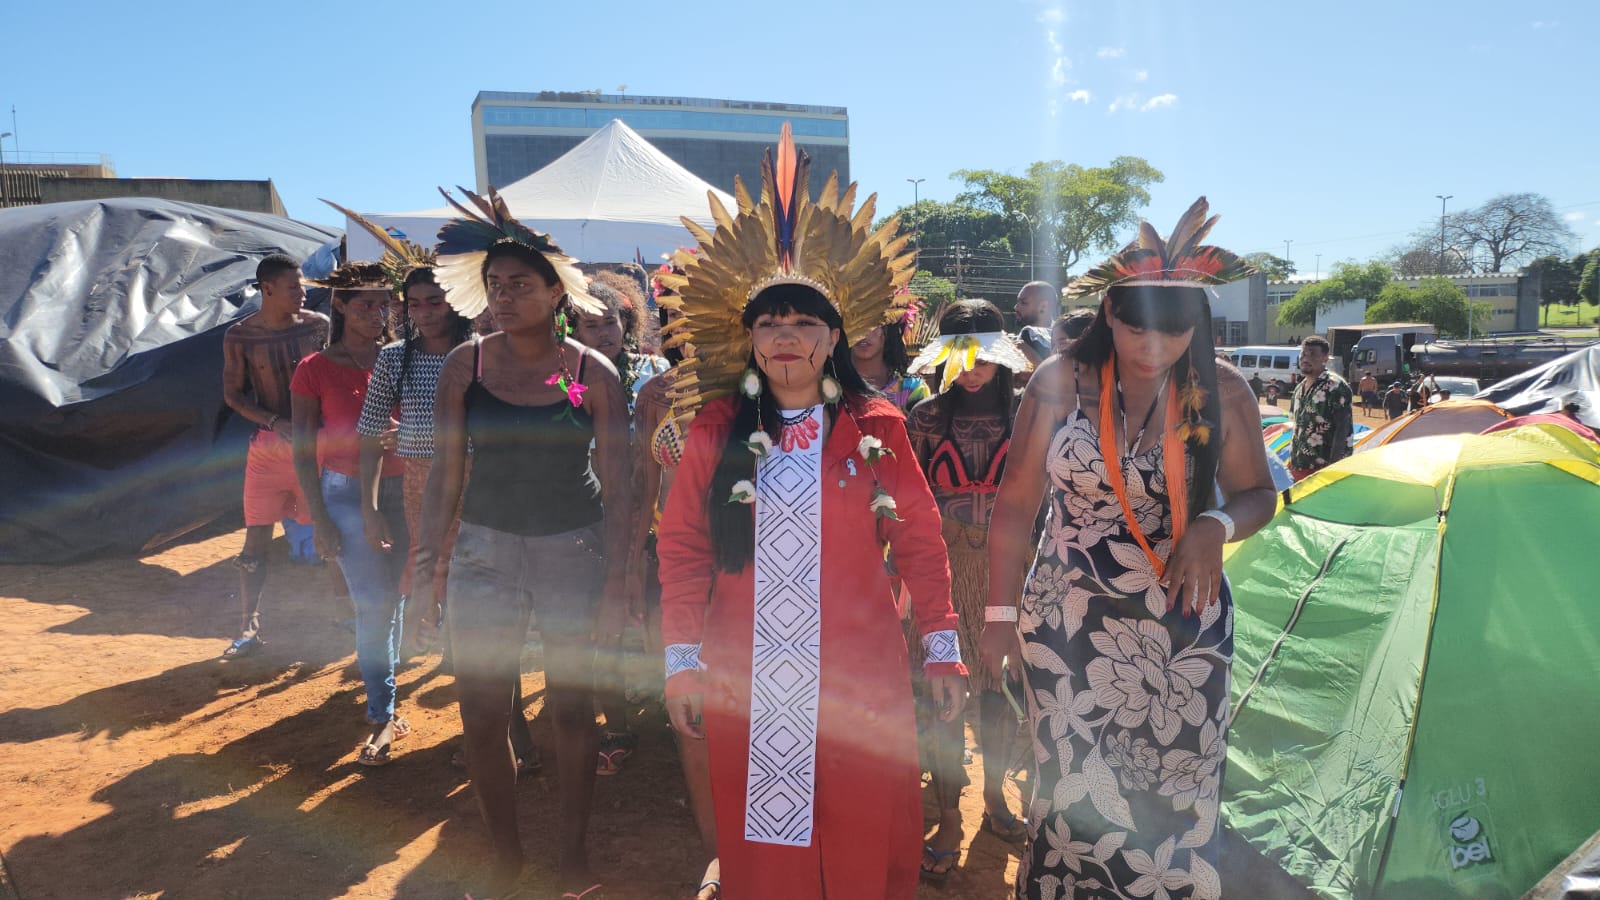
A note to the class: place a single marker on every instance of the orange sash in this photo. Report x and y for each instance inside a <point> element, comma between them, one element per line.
<point>1172,460</point>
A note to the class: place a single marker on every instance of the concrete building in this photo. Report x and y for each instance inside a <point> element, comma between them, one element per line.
<point>21,182</point>
<point>246,196</point>
<point>515,134</point>
<point>1511,297</point>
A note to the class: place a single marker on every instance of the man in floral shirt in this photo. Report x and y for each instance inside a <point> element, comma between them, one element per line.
<point>1321,411</point>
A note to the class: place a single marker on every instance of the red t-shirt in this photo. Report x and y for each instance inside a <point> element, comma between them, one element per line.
<point>341,390</point>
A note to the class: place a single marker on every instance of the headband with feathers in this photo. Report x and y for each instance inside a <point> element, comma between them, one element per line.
<point>785,238</point>
<point>400,256</point>
<point>464,245</point>
<point>1179,260</point>
<point>355,276</point>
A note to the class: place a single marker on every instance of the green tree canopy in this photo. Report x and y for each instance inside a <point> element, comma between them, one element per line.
<point>1558,281</point>
<point>1067,210</point>
<point>1435,300</point>
<point>1347,281</point>
<point>1589,283</point>
<point>1276,268</point>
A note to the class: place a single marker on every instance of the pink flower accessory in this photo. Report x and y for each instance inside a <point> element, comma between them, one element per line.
<point>562,378</point>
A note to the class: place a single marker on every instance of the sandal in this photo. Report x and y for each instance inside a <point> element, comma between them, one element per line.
<point>1013,829</point>
<point>581,894</point>
<point>615,747</point>
<point>937,876</point>
<point>715,885</point>
<point>375,755</point>
<point>241,647</point>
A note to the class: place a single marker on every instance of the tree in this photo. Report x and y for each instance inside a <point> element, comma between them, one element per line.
<point>1558,282</point>
<point>1348,281</point>
<point>1435,300</point>
<point>1067,210</point>
<point>1509,230</point>
<point>1589,284</point>
<point>1419,256</point>
<point>1276,268</point>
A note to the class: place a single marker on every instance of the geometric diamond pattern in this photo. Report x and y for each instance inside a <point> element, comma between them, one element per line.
<point>940,647</point>
<point>786,654</point>
<point>682,658</point>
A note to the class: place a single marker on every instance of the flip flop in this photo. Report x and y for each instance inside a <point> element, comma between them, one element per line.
<point>1012,830</point>
<point>583,893</point>
<point>375,756</point>
<point>933,876</point>
<point>709,884</point>
<point>241,647</point>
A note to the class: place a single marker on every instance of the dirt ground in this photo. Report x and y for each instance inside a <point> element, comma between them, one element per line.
<point>135,763</point>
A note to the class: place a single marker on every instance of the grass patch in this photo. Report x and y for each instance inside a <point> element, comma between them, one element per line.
<point>1570,316</point>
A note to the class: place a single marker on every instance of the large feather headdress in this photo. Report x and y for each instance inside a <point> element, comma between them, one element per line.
<point>355,276</point>
<point>464,244</point>
<point>400,256</point>
<point>786,238</point>
<point>1179,260</point>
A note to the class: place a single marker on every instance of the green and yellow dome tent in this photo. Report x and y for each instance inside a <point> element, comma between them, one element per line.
<point>1416,682</point>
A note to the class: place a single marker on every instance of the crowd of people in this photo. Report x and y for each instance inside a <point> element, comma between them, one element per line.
<point>828,543</point>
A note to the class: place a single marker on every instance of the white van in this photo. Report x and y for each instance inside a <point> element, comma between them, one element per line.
<point>1268,363</point>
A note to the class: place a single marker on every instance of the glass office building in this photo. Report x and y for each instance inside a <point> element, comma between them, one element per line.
<point>515,134</point>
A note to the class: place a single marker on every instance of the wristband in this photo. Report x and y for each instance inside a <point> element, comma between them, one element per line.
<point>999,613</point>
<point>1225,519</point>
<point>272,422</point>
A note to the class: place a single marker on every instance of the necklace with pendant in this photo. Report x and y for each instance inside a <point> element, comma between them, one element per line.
<point>1135,440</point>
<point>799,430</point>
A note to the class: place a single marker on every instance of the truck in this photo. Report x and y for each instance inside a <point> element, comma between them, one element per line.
<point>1383,350</point>
<point>1492,359</point>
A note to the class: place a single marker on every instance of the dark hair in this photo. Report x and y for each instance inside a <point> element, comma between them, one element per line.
<point>733,530</point>
<point>895,355</point>
<point>1318,341</point>
<point>622,295</point>
<point>975,317</point>
<point>509,248</point>
<point>1170,310</point>
<point>460,326</point>
<point>1075,323</point>
<point>274,265</point>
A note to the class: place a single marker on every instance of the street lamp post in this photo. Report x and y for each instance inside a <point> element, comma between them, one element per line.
<point>1033,231</point>
<point>1286,243</point>
<point>1318,276</point>
<point>916,232</point>
<point>5,199</point>
<point>1443,199</point>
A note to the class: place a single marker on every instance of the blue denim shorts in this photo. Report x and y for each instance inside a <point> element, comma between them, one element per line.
<point>499,580</point>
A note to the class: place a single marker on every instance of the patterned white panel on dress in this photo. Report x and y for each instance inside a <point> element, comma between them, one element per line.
<point>786,652</point>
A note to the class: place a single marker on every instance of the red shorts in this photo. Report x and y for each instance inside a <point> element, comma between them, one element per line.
<point>271,492</point>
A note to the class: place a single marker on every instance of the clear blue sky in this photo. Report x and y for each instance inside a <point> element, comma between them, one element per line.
<point>1333,126</point>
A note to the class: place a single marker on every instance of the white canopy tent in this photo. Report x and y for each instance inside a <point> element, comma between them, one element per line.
<point>604,199</point>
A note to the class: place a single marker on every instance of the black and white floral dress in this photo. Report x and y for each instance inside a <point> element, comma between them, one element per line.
<point>1128,702</point>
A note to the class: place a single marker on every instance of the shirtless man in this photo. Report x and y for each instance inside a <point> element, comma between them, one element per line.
<point>259,355</point>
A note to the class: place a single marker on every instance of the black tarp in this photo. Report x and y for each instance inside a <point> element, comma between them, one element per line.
<point>113,433</point>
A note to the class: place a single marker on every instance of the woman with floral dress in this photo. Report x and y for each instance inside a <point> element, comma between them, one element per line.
<point>1125,622</point>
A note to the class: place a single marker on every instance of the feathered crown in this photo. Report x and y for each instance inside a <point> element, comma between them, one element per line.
<point>464,244</point>
<point>355,276</point>
<point>785,239</point>
<point>400,256</point>
<point>1180,260</point>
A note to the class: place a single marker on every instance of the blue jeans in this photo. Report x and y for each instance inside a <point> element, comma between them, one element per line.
<point>373,578</point>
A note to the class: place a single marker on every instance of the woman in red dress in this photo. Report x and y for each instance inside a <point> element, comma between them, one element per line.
<point>792,671</point>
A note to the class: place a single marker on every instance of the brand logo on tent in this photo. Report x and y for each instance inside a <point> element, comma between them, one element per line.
<point>395,232</point>
<point>1468,844</point>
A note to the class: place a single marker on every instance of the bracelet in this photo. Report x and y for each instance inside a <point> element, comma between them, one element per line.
<point>1225,519</point>
<point>272,422</point>
<point>999,613</point>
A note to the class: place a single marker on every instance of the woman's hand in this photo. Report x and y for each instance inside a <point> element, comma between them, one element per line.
<point>998,642</point>
<point>686,710</point>
<point>376,529</point>
<point>1194,573</point>
<point>389,439</point>
<point>950,693</point>
<point>325,537</point>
